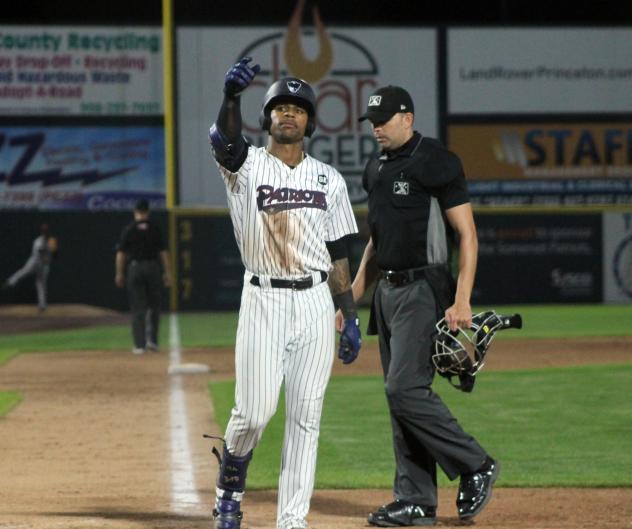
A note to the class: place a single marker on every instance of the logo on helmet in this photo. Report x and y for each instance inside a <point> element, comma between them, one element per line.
<point>294,86</point>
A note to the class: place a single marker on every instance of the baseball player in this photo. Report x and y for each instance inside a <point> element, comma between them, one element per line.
<point>38,264</point>
<point>290,214</point>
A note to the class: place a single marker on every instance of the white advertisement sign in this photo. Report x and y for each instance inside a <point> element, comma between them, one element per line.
<point>343,65</point>
<point>83,70</point>
<point>528,70</point>
<point>617,255</point>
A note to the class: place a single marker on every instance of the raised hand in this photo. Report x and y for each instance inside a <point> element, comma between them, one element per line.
<point>239,77</point>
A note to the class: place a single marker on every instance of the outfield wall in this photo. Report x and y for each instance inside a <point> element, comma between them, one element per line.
<point>526,257</point>
<point>83,269</point>
<point>540,117</point>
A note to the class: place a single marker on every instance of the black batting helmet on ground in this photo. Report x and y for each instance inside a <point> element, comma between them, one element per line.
<point>295,91</point>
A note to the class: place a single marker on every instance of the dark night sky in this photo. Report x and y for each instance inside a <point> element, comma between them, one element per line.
<point>367,12</point>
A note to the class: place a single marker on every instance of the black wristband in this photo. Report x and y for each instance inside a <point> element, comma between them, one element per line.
<point>345,303</point>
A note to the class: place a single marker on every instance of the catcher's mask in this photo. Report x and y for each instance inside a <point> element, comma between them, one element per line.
<point>295,91</point>
<point>462,352</point>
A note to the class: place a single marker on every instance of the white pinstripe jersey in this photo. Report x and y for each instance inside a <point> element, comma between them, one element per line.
<point>283,216</point>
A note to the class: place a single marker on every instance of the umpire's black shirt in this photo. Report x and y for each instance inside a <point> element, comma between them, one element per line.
<point>141,240</point>
<point>401,184</point>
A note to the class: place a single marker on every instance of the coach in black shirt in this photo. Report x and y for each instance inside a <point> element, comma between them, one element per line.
<point>143,249</point>
<point>414,184</point>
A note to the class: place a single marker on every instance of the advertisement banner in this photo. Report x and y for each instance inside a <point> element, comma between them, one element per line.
<point>546,163</point>
<point>85,70</point>
<point>617,257</point>
<point>539,259</point>
<point>343,65</point>
<point>539,70</point>
<point>81,167</point>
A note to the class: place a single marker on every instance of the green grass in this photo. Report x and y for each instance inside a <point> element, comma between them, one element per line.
<point>566,427</point>
<point>217,329</point>
<point>212,329</point>
<point>107,337</point>
<point>568,321</point>
<point>8,399</point>
<point>7,354</point>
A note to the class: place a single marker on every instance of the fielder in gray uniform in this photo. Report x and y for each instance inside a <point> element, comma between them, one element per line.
<point>290,214</point>
<point>38,264</point>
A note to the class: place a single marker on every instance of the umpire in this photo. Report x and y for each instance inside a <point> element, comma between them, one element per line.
<point>142,248</point>
<point>414,184</point>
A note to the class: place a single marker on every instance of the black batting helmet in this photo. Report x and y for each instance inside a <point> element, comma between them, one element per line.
<point>294,90</point>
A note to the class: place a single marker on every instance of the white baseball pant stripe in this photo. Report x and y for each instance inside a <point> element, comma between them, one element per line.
<point>283,336</point>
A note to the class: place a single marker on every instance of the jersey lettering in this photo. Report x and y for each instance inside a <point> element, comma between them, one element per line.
<point>284,198</point>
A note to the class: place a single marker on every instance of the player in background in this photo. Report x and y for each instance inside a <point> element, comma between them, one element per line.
<point>38,264</point>
<point>141,251</point>
<point>290,214</point>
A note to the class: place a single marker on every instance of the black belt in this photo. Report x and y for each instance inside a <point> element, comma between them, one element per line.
<point>294,284</point>
<point>402,277</point>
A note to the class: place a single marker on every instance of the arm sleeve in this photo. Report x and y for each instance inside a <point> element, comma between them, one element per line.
<point>228,145</point>
<point>338,249</point>
<point>229,119</point>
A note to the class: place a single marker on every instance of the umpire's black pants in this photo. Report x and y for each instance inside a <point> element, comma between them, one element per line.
<point>424,430</point>
<point>144,286</point>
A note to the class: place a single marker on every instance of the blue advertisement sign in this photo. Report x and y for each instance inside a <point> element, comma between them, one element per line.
<point>95,168</point>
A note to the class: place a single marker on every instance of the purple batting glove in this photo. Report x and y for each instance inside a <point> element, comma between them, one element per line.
<point>239,77</point>
<point>350,341</point>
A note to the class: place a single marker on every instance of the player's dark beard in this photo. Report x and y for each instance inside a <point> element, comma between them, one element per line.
<point>286,137</point>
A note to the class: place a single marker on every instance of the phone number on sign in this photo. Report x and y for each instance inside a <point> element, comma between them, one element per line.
<point>120,107</point>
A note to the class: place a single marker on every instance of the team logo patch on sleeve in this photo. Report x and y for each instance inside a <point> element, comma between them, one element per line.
<point>401,188</point>
<point>322,179</point>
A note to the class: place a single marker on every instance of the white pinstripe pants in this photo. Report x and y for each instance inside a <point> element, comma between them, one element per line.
<point>283,336</point>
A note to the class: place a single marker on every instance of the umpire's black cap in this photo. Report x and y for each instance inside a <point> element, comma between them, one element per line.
<point>385,102</point>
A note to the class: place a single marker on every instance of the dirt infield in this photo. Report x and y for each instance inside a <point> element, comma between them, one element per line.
<point>90,446</point>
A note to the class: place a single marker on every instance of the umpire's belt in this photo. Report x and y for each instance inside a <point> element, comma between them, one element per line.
<point>295,284</point>
<point>402,277</point>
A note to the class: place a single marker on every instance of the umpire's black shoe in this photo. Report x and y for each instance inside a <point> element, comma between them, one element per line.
<point>475,490</point>
<point>402,514</point>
